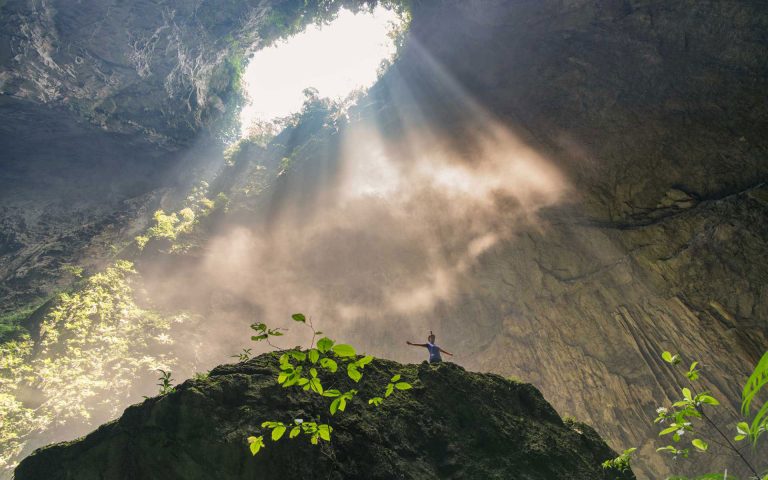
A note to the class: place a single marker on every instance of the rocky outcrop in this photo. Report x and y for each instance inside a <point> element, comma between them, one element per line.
<point>452,424</point>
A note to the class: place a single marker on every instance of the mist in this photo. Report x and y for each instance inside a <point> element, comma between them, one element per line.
<point>384,235</point>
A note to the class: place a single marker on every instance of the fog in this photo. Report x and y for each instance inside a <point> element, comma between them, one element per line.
<point>390,230</point>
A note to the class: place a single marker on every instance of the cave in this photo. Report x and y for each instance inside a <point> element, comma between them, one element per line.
<point>560,191</point>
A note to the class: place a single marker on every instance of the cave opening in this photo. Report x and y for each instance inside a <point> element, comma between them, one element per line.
<point>338,60</point>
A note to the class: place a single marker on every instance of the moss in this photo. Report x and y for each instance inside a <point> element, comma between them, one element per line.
<point>11,323</point>
<point>453,424</point>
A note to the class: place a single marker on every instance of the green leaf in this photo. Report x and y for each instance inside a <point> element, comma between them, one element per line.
<point>258,338</point>
<point>299,356</point>
<point>282,377</point>
<point>742,428</point>
<point>299,317</point>
<point>316,385</point>
<point>344,350</point>
<point>325,432</point>
<point>278,432</point>
<point>700,444</point>
<point>324,344</point>
<point>255,444</point>
<point>668,448</point>
<point>364,361</point>
<point>353,373</point>
<point>335,405</point>
<point>668,430</point>
<point>314,355</point>
<point>390,389</point>
<point>331,393</point>
<point>329,364</point>
<point>295,432</point>
<point>375,401</point>
<point>708,399</point>
<point>754,384</point>
<point>395,378</point>
<point>759,423</point>
<point>313,372</point>
<point>403,386</point>
<point>667,356</point>
<point>739,438</point>
<point>687,394</point>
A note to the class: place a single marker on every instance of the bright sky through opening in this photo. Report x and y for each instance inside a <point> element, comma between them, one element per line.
<point>336,59</point>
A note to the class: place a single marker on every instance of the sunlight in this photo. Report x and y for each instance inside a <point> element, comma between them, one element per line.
<point>336,59</point>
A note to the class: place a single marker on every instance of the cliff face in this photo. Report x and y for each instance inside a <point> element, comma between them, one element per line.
<point>452,424</point>
<point>654,112</point>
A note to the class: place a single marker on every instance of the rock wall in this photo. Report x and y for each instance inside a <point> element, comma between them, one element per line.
<point>452,425</point>
<point>655,113</point>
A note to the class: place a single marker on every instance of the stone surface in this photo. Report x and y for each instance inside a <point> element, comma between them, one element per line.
<point>452,424</point>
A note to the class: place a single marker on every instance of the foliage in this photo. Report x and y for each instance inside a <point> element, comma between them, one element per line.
<point>756,383</point>
<point>685,417</point>
<point>622,462</point>
<point>175,227</point>
<point>10,323</point>
<point>74,270</point>
<point>313,370</point>
<point>94,344</point>
<point>243,356</point>
<point>165,382</point>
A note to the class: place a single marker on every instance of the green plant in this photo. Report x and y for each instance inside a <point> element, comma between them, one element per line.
<point>622,462</point>
<point>243,356</point>
<point>316,370</point>
<point>93,343</point>
<point>685,417</point>
<point>752,388</point>
<point>165,384</point>
<point>177,227</point>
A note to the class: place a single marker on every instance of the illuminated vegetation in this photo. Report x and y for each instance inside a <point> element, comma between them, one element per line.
<point>93,346</point>
<point>176,227</point>
<point>326,363</point>
<point>685,421</point>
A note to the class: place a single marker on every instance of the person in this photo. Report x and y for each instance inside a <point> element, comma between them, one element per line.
<point>434,350</point>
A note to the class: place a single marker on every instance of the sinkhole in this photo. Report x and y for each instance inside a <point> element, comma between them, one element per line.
<point>338,60</point>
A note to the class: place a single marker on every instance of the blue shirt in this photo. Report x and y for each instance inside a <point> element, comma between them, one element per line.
<point>434,353</point>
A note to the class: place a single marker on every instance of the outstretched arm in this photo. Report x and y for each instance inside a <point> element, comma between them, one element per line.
<point>416,344</point>
<point>447,353</point>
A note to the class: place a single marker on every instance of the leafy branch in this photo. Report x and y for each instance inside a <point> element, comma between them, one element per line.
<point>680,419</point>
<point>306,370</point>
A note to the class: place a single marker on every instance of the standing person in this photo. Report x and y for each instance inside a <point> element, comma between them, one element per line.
<point>434,350</point>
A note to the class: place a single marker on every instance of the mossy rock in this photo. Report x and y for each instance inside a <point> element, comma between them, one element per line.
<point>453,424</point>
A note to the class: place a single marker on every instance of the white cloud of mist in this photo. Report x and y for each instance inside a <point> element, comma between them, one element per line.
<point>390,239</point>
